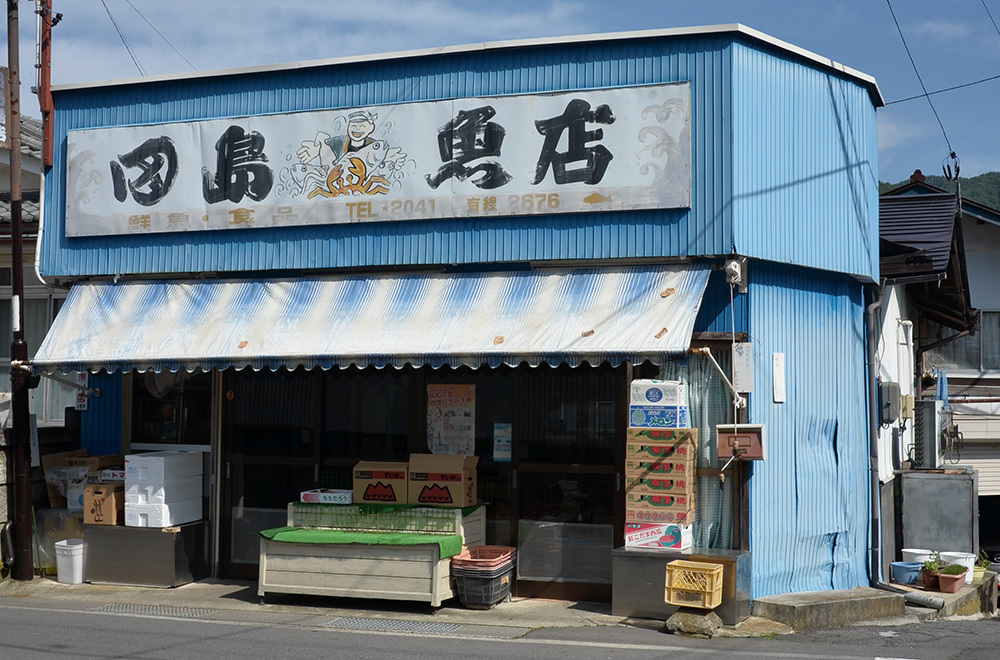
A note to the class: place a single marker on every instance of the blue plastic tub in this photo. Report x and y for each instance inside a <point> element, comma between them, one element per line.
<point>905,572</point>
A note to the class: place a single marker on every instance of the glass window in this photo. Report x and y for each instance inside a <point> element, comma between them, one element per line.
<point>367,414</point>
<point>48,402</point>
<point>567,415</point>
<point>274,413</point>
<point>494,395</point>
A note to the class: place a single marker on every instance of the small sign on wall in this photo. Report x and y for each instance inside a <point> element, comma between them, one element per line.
<point>82,379</point>
<point>502,442</point>
<point>743,366</point>
<point>778,376</point>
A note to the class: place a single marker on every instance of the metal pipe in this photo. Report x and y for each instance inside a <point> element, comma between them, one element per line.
<point>738,400</point>
<point>875,559</point>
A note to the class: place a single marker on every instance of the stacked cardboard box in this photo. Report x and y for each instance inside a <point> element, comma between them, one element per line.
<point>660,492</point>
<point>104,503</point>
<point>428,479</point>
<point>380,483</point>
<point>163,488</point>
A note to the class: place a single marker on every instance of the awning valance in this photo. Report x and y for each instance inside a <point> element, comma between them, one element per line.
<point>554,316</point>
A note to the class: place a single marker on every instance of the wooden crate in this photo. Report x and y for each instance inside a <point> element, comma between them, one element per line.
<point>693,584</point>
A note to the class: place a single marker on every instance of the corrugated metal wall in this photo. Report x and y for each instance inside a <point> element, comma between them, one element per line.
<point>809,500</point>
<point>101,424</point>
<point>704,230</point>
<point>805,187</point>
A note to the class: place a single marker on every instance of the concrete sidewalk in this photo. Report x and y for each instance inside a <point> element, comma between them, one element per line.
<point>234,600</point>
<point>237,601</point>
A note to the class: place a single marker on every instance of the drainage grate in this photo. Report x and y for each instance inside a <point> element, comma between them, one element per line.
<point>391,625</point>
<point>154,610</point>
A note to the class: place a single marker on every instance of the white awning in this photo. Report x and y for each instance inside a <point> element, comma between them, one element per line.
<point>532,316</point>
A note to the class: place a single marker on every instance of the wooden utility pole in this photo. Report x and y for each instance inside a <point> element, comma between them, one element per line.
<point>24,566</point>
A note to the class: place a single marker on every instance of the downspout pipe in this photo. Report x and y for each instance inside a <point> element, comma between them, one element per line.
<point>874,561</point>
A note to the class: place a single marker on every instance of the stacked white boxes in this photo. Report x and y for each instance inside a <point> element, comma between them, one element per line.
<point>163,488</point>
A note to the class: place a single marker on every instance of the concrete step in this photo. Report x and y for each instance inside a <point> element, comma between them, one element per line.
<point>816,610</point>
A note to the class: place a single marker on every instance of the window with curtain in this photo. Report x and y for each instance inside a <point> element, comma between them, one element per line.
<point>710,403</point>
<point>48,402</point>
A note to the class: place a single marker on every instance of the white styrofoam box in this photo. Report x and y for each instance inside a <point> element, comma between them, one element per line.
<point>162,466</point>
<point>163,515</point>
<point>658,535</point>
<point>74,493</point>
<point>658,393</point>
<point>173,490</point>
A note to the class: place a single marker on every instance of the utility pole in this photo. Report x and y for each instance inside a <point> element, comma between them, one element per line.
<point>24,566</point>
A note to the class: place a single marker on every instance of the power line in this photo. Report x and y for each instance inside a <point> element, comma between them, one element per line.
<point>159,33</point>
<point>990,14</point>
<point>922,86</point>
<point>954,87</point>
<point>945,89</point>
<point>124,41</point>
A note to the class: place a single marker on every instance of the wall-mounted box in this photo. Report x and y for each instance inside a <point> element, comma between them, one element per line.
<point>749,441</point>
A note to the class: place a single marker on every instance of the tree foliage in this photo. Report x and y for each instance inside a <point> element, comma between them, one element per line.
<point>984,188</point>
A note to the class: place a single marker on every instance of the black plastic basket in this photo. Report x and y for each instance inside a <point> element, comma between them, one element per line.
<point>482,590</point>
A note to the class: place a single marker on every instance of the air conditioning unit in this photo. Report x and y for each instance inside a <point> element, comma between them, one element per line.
<point>929,423</point>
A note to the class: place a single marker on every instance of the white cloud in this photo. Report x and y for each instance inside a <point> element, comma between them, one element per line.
<point>941,29</point>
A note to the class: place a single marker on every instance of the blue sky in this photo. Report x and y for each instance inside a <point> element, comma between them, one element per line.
<point>952,43</point>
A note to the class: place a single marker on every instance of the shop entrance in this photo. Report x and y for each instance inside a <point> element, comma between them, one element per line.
<point>547,438</point>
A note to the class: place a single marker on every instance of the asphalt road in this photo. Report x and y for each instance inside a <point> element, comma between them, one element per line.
<point>39,630</point>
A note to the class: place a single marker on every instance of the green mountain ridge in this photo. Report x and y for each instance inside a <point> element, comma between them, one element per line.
<point>984,188</point>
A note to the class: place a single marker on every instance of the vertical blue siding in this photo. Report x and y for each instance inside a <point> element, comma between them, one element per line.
<point>705,229</point>
<point>714,315</point>
<point>101,424</point>
<point>809,501</point>
<point>804,164</point>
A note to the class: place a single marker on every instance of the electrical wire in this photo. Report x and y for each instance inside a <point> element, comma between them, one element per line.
<point>945,89</point>
<point>990,14</point>
<point>136,10</point>
<point>922,86</point>
<point>135,60</point>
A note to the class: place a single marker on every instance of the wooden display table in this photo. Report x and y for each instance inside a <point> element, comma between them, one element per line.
<point>399,562</point>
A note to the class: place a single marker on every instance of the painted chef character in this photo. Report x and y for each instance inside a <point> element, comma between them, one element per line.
<point>327,151</point>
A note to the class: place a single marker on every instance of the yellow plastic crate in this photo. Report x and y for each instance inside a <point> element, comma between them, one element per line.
<point>693,584</point>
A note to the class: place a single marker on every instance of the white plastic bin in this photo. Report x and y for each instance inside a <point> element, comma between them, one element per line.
<point>966,559</point>
<point>916,554</point>
<point>69,561</point>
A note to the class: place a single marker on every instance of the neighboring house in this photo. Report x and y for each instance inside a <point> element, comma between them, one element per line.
<point>49,400</point>
<point>253,295</point>
<point>957,354</point>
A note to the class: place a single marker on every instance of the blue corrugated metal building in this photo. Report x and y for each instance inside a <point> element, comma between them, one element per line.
<point>770,150</point>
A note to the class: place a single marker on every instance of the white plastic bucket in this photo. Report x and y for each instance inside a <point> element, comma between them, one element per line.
<point>69,561</point>
<point>916,554</point>
<point>964,558</point>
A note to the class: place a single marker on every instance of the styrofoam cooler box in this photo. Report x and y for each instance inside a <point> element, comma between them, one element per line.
<point>174,490</point>
<point>163,515</point>
<point>162,466</point>
<point>645,392</point>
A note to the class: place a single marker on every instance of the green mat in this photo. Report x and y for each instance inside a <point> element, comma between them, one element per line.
<point>450,544</point>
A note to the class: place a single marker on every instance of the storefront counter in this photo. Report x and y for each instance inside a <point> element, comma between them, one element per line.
<point>639,574</point>
<point>145,556</point>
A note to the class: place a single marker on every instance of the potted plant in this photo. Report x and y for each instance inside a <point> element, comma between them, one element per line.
<point>951,578</point>
<point>982,565</point>
<point>929,572</point>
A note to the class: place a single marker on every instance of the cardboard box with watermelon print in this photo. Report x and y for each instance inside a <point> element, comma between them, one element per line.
<point>676,536</point>
<point>380,483</point>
